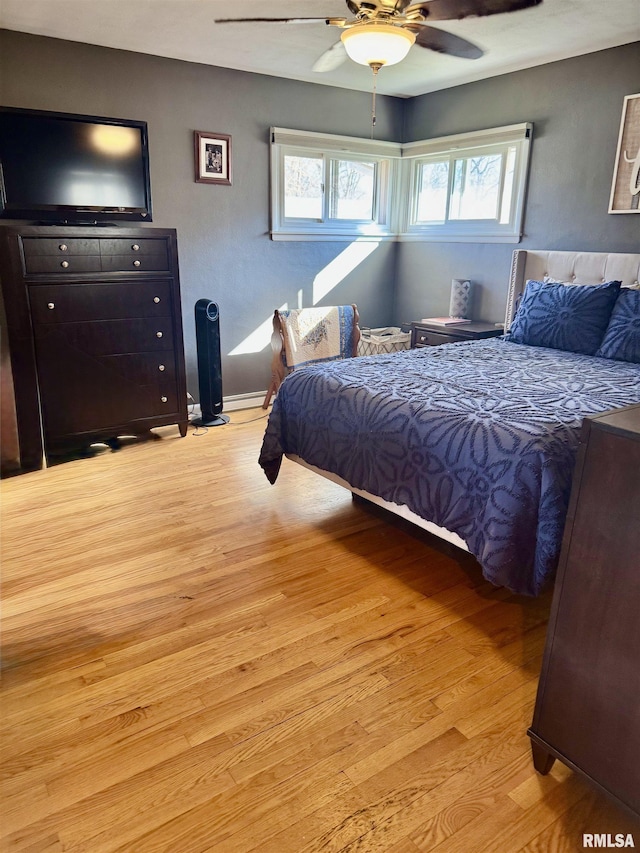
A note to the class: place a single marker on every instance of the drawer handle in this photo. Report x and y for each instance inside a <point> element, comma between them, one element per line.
<point>64,264</point>
<point>156,299</point>
<point>158,334</point>
<point>51,305</point>
<point>63,247</point>
<point>135,247</point>
<point>161,367</point>
<point>136,263</point>
<point>164,399</point>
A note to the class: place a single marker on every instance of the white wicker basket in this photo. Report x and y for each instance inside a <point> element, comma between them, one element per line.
<point>386,340</point>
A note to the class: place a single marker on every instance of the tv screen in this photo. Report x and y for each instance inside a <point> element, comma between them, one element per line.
<point>59,167</point>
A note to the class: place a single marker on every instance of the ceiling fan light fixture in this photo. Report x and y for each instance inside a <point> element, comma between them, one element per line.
<point>371,43</point>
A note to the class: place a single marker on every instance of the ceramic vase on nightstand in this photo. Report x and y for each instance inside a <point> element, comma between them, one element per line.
<point>460,303</point>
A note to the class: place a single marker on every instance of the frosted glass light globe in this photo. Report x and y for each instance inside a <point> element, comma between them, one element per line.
<point>371,43</point>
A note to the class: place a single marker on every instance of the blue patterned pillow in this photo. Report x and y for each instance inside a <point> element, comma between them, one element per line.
<point>622,338</point>
<point>564,317</point>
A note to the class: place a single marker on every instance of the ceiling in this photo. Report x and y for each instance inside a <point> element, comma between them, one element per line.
<point>185,29</point>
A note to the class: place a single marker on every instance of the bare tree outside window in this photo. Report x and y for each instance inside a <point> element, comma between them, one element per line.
<point>352,190</point>
<point>303,187</point>
<point>432,192</point>
<point>476,187</point>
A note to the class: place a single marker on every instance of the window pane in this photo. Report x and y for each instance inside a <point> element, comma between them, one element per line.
<point>352,189</point>
<point>476,187</point>
<point>433,180</point>
<point>303,187</point>
<point>507,190</point>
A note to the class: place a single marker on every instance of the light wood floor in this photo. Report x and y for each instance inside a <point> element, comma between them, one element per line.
<point>195,660</point>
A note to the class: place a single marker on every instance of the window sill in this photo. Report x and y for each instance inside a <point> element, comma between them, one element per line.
<point>333,236</point>
<point>452,237</point>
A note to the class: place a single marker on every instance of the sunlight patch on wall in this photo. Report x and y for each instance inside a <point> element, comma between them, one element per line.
<point>260,338</point>
<point>340,267</point>
<point>324,282</point>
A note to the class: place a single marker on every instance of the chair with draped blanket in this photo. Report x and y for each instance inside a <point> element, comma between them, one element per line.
<point>307,335</point>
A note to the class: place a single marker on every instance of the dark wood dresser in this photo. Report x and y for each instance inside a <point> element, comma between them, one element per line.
<point>432,335</point>
<point>587,711</point>
<point>95,334</point>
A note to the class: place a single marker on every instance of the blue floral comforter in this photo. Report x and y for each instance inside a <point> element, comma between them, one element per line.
<point>478,437</point>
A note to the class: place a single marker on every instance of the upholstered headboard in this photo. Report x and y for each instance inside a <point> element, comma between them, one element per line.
<point>568,267</point>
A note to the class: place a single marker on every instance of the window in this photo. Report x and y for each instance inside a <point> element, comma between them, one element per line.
<point>467,187</point>
<point>303,182</point>
<point>331,187</point>
<point>351,183</point>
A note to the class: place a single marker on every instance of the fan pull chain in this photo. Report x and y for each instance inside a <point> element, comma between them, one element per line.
<point>375,67</point>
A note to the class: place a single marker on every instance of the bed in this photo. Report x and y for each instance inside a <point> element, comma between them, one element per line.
<point>476,441</point>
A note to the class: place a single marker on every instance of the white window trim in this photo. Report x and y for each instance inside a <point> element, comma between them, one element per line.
<point>386,156</point>
<point>395,189</point>
<point>468,144</point>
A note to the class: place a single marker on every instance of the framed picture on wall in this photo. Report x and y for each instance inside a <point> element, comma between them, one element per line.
<point>213,157</point>
<point>625,188</point>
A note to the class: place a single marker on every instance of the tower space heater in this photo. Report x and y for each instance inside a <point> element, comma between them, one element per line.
<point>209,364</point>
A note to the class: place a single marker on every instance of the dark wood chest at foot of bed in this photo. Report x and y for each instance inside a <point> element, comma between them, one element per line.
<point>588,706</point>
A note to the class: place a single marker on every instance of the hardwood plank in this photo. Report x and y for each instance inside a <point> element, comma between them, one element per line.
<point>312,827</point>
<point>403,795</point>
<point>478,674</point>
<point>535,787</point>
<point>222,824</point>
<point>451,831</point>
<point>53,753</point>
<point>589,814</point>
<point>122,812</point>
<point>457,715</point>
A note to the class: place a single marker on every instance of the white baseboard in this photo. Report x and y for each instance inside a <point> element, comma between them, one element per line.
<point>252,400</point>
<point>234,403</point>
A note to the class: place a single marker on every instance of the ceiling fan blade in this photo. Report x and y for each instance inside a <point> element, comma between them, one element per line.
<point>276,20</point>
<point>450,10</point>
<point>443,42</point>
<point>331,59</point>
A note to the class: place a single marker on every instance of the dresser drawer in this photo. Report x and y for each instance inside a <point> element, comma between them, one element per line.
<point>134,248</point>
<point>134,263</point>
<point>62,264</point>
<point>60,255</point>
<point>34,247</point>
<point>141,254</point>
<point>433,339</point>
<point>146,369</point>
<point>109,337</point>
<point>48,255</point>
<point>68,303</point>
<point>424,335</point>
<point>104,395</point>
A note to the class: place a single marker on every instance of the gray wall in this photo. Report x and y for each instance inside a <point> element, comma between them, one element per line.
<point>575,106</point>
<point>225,252</point>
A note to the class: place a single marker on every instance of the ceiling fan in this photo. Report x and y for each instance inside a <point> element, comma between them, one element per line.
<point>381,32</point>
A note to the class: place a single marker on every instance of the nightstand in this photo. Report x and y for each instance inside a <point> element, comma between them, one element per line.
<point>432,335</point>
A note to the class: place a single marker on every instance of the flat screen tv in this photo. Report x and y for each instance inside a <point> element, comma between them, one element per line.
<point>58,167</point>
